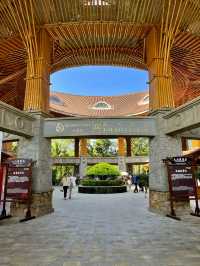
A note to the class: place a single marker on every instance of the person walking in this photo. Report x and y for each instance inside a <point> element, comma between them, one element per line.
<point>129,183</point>
<point>136,182</point>
<point>65,183</point>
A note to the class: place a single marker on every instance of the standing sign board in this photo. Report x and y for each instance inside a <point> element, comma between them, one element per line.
<point>18,184</point>
<point>182,183</point>
<point>19,179</point>
<point>181,178</point>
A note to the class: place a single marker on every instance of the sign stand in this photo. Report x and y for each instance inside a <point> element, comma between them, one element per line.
<point>28,215</point>
<point>182,183</point>
<point>18,185</point>
<point>173,213</point>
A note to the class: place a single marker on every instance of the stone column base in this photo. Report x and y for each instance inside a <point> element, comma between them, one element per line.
<point>160,202</point>
<point>41,205</point>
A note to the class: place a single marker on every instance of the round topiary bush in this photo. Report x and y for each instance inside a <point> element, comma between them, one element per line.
<point>102,178</point>
<point>95,183</point>
<point>103,171</point>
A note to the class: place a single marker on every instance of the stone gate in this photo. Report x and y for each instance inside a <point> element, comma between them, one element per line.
<point>165,128</point>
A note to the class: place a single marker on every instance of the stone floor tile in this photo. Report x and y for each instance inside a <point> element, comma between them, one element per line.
<point>101,230</point>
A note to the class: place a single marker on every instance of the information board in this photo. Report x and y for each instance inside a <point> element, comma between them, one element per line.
<point>18,179</point>
<point>18,186</point>
<point>182,183</point>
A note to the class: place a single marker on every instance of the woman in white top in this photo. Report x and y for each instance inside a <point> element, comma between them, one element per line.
<point>66,184</point>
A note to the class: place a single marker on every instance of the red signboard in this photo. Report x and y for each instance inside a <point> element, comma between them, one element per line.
<point>18,185</point>
<point>18,179</point>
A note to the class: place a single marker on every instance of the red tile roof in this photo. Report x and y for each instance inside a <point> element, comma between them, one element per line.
<point>76,105</point>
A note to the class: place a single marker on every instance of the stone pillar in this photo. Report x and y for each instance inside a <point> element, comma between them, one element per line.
<point>195,143</point>
<point>121,154</point>
<point>162,146</point>
<point>83,157</point>
<point>184,144</point>
<point>121,146</point>
<point>83,147</point>
<point>83,166</point>
<point>159,66</point>
<point>129,153</point>
<point>122,164</point>
<point>76,147</point>
<point>37,148</point>
<point>76,154</point>
<point>128,146</point>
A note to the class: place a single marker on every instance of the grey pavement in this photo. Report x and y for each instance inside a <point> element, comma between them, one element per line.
<point>101,230</point>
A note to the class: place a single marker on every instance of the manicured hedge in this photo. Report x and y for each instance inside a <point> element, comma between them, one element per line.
<point>103,170</point>
<point>92,182</point>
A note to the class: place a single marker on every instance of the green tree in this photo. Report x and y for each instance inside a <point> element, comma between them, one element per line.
<point>103,170</point>
<point>102,148</point>
<point>14,147</point>
<point>61,148</point>
<point>140,146</point>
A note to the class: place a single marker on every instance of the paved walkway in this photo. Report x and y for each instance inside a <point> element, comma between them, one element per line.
<point>101,230</point>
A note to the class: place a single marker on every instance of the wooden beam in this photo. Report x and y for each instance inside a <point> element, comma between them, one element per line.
<point>12,76</point>
<point>38,76</point>
<point>160,75</point>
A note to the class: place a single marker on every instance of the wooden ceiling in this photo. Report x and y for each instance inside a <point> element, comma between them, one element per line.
<point>99,32</point>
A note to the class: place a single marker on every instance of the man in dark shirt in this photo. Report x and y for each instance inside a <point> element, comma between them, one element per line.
<point>135,180</point>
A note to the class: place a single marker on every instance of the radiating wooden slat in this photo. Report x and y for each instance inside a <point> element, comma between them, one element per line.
<point>101,32</point>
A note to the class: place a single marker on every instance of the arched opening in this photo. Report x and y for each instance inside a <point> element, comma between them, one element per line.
<point>100,92</point>
<point>99,80</point>
<point>40,37</point>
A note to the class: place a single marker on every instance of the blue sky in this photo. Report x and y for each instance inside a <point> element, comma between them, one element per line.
<point>99,80</point>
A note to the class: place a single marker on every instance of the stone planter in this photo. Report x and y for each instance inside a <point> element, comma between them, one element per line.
<point>102,189</point>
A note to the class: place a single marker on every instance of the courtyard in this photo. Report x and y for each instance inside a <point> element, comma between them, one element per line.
<point>107,230</point>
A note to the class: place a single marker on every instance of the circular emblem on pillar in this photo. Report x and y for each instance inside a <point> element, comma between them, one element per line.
<point>60,127</point>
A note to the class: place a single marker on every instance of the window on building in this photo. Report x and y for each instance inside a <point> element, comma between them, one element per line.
<point>102,106</point>
<point>146,99</point>
<point>55,100</point>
